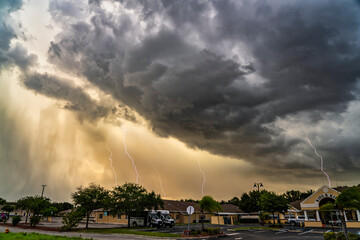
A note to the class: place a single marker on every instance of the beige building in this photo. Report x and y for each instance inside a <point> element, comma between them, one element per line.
<point>177,211</point>
<point>314,218</point>
<point>308,210</point>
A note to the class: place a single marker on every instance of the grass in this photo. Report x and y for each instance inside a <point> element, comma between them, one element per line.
<point>34,236</point>
<point>127,231</point>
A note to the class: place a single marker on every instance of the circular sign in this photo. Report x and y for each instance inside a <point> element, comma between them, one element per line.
<point>325,190</point>
<point>190,210</point>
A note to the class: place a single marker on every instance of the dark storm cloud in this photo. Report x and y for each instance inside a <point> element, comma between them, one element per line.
<point>6,32</point>
<point>176,63</point>
<point>75,98</point>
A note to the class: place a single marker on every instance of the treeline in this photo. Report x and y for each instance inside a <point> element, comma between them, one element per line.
<point>36,205</point>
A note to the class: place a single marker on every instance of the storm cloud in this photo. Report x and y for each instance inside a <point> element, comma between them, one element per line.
<point>244,79</point>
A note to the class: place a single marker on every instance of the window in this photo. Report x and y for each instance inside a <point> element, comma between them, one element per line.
<point>177,217</point>
<point>100,216</point>
<point>126,216</point>
<point>119,216</point>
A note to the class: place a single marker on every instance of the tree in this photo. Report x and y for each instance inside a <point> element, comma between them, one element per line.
<point>295,195</point>
<point>33,204</point>
<point>272,203</point>
<point>208,204</point>
<point>50,211</point>
<point>292,195</point>
<point>132,198</point>
<point>62,206</point>
<point>348,199</point>
<point>306,194</point>
<point>235,201</point>
<point>90,198</point>
<point>8,208</point>
<point>71,219</point>
<point>249,202</point>
<point>2,201</point>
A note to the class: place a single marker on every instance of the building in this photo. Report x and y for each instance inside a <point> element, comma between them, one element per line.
<point>16,212</point>
<point>177,211</point>
<point>308,210</point>
<point>314,218</point>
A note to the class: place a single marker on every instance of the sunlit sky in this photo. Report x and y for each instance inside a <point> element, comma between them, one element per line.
<point>207,97</point>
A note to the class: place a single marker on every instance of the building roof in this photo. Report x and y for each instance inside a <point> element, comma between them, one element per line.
<point>343,188</point>
<point>296,204</point>
<point>179,206</point>
<point>230,208</point>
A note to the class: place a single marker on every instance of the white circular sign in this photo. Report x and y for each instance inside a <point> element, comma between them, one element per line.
<point>190,210</point>
<point>325,190</point>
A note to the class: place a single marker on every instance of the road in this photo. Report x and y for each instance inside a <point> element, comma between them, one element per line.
<point>231,233</point>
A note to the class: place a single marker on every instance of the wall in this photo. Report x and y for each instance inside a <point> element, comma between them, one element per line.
<point>110,219</point>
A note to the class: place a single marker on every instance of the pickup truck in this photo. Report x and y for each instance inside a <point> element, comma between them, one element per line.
<point>296,221</point>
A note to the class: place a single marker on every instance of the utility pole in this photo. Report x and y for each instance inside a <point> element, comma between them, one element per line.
<point>258,186</point>
<point>43,189</point>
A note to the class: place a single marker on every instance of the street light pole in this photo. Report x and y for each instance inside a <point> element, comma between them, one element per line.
<point>258,186</point>
<point>43,189</point>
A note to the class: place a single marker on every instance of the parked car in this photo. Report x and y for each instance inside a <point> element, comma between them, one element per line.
<point>296,221</point>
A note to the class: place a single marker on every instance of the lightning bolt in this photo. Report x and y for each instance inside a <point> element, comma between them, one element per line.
<point>321,158</point>
<point>132,160</point>
<point>204,177</point>
<point>111,161</point>
<point>159,177</point>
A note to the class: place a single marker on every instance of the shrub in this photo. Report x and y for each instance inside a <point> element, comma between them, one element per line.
<point>330,236</point>
<point>353,236</point>
<point>216,231</point>
<point>340,236</point>
<point>34,220</point>
<point>193,232</point>
<point>71,219</point>
<point>15,220</point>
<point>277,225</point>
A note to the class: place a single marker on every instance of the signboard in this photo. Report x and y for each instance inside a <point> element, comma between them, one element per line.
<point>325,195</point>
<point>190,210</point>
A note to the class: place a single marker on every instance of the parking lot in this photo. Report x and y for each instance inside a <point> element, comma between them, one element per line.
<point>288,232</point>
<point>241,231</point>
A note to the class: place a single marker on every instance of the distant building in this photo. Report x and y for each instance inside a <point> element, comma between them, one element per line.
<point>16,212</point>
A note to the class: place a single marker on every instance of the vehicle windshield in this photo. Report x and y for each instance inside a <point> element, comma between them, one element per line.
<point>154,216</point>
<point>166,216</point>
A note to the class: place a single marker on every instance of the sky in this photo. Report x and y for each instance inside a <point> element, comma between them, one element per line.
<point>187,98</point>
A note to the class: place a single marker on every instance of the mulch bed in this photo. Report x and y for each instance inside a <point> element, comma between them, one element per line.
<point>27,226</point>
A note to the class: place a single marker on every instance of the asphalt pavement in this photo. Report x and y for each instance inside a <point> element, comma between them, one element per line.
<point>288,233</point>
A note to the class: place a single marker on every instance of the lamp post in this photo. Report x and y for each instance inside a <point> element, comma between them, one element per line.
<point>43,188</point>
<point>258,186</point>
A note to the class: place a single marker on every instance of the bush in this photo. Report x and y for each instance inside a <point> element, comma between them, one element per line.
<point>34,220</point>
<point>340,236</point>
<point>71,219</point>
<point>330,236</point>
<point>15,220</point>
<point>276,225</point>
<point>193,232</point>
